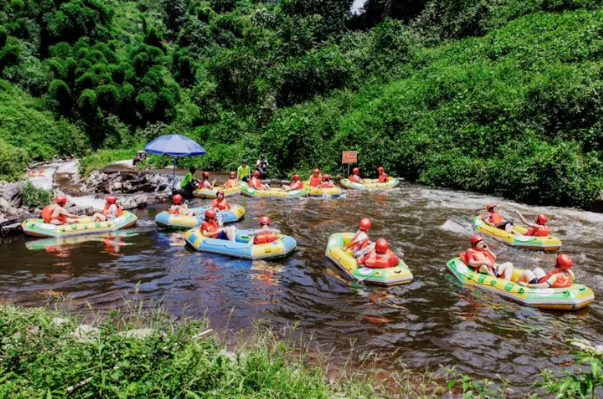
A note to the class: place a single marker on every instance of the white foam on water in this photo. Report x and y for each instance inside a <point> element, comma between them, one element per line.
<point>44,182</point>
<point>88,200</point>
<point>456,227</point>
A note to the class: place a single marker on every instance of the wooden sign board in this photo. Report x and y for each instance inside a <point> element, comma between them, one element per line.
<point>349,157</point>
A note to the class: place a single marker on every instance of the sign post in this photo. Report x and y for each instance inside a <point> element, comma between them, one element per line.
<point>349,157</point>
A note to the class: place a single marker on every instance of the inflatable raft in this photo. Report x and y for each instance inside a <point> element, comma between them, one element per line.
<point>212,193</point>
<point>548,243</point>
<point>333,192</point>
<point>370,184</point>
<point>573,298</point>
<point>37,227</point>
<point>184,222</point>
<point>272,193</point>
<point>243,246</point>
<point>335,251</point>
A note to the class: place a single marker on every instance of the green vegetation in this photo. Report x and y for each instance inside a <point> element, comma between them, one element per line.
<point>34,197</point>
<point>496,96</point>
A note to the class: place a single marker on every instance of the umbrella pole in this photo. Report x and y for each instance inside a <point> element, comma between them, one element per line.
<point>174,175</point>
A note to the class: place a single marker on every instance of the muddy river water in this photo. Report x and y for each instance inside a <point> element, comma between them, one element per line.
<point>430,322</point>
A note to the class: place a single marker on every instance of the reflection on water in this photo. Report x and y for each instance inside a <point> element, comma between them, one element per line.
<point>428,322</point>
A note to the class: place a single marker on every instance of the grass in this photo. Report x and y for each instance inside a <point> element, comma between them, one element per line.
<point>102,158</point>
<point>40,356</point>
<point>34,197</point>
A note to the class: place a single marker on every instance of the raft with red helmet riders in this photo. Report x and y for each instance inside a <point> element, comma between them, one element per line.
<point>365,261</point>
<point>322,186</point>
<point>554,290</point>
<point>383,181</point>
<point>180,217</point>
<point>262,243</point>
<point>255,187</point>
<point>296,184</point>
<point>57,222</point>
<point>536,236</point>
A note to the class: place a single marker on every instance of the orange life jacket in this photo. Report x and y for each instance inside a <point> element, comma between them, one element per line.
<point>119,212</point>
<point>47,215</point>
<point>174,210</point>
<point>210,227</point>
<point>540,231</point>
<point>355,179</point>
<point>255,183</point>
<point>355,246</point>
<point>495,217</point>
<point>383,178</point>
<point>380,261</point>
<point>315,181</point>
<point>298,185</point>
<point>264,237</point>
<point>221,205</point>
<point>230,183</point>
<point>564,278</point>
<point>328,184</point>
<point>477,256</point>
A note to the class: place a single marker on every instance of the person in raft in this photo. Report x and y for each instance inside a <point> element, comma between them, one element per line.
<point>360,243</point>
<point>265,233</point>
<point>256,182</point>
<point>355,176</point>
<point>220,203</point>
<point>179,208</point>
<point>56,213</point>
<point>244,171</point>
<point>315,179</point>
<point>380,257</point>
<point>232,181</point>
<point>383,177</point>
<point>111,211</point>
<point>495,219</point>
<point>538,228</point>
<point>560,277</point>
<point>296,184</point>
<point>189,183</point>
<point>205,181</point>
<point>327,182</point>
<point>212,228</point>
<point>482,260</point>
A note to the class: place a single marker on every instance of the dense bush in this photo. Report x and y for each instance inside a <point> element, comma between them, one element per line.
<point>12,162</point>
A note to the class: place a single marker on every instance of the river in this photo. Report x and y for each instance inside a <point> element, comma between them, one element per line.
<point>430,322</point>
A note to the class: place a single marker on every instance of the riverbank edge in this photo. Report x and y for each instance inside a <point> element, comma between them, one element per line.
<point>133,353</point>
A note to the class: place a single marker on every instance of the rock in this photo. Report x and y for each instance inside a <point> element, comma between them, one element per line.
<point>132,202</point>
<point>140,333</point>
<point>85,332</point>
<point>116,187</point>
<point>598,204</point>
<point>4,205</point>
<point>82,210</point>
<point>57,321</point>
<point>10,193</point>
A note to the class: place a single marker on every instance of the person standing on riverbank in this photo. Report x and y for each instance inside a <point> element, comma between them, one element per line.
<point>244,171</point>
<point>189,182</point>
<point>262,166</point>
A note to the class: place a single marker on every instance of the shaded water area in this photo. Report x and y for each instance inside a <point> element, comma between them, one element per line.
<point>430,322</point>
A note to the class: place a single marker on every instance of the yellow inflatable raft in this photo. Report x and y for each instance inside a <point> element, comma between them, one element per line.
<point>332,192</point>
<point>345,261</point>
<point>548,243</point>
<point>369,184</point>
<point>573,298</point>
<point>37,227</point>
<point>272,193</point>
<point>212,192</point>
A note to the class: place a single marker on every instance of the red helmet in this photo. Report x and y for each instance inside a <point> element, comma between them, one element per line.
<point>365,224</point>
<point>176,199</point>
<point>295,177</point>
<point>256,173</point>
<point>60,200</point>
<point>326,177</point>
<point>381,246</point>
<point>210,214</point>
<point>232,175</point>
<point>220,192</point>
<point>264,220</point>
<point>489,207</point>
<point>111,199</point>
<point>380,169</point>
<point>475,239</point>
<point>541,218</point>
<point>206,175</point>
<point>355,171</point>
<point>316,171</point>
<point>564,261</point>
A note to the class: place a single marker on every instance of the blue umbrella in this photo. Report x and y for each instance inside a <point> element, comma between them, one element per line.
<point>174,145</point>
